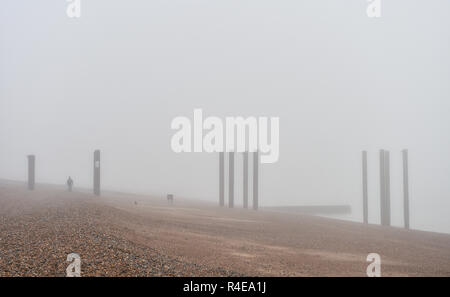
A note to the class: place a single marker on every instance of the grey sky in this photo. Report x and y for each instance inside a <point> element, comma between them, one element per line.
<point>339,81</point>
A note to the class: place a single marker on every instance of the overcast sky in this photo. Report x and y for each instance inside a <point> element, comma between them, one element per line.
<point>340,83</point>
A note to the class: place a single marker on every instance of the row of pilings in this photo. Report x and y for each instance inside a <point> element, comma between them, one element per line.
<point>231,178</point>
<point>385,188</point>
<point>385,195</point>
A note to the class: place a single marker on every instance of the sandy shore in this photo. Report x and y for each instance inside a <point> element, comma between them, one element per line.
<point>132,235</point>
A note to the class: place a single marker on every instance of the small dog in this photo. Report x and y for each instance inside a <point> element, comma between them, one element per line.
<point>170,198</point>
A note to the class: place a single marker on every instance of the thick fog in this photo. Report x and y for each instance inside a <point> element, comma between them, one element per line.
<point>339,81</point>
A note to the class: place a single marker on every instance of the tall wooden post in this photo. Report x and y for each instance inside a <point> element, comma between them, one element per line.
<point>221,178</point>
<point>405,189</point>
<point>382,189</point>
<point>97,172</point>
<point>365,196</point>
<point>245,154</point>
<point>387,185</point>
<point>231,180</point>
<point>255,179</point>
<point>385,188</point>
<point>31,171</point>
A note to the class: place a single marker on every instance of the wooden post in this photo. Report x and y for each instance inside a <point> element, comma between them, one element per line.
<point>255,180</point>
<point>221,179</point>
<point>97,172</point>
<point>382,189</point>
<point>387,185</point>
<point>405,189</point>
<point>31,172</point>
<point>365,195</point>
<point>231,180</point>
<point>245,154</point>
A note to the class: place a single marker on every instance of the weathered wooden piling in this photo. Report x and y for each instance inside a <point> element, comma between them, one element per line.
<point>405,189</point>
<point>387,184</point>
<point>382,189</point>
<point>365,195</point>
<point>255,179</point>
<point>221,178</point>
<point>245,189</point>
<point>385,189</point>
<point>31,171</point>
<point>97,172</point>
<point>231,180</point>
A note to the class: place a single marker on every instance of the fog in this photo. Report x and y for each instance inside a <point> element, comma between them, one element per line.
<point>339,82</point>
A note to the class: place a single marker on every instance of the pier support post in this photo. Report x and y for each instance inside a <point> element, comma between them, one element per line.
<point>382,189</point>
<point>387,175</point>
<point>221,179</point>
<point>97,172</point>
<point>385,189</point>
<point>31,171</point>
<point>245,155</point>
<point>405,189</point>
<point>231,180</point>
<point>365,195</point>
<point>255,179</point>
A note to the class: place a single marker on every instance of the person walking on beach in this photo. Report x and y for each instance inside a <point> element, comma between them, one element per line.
<point>69,184</point>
